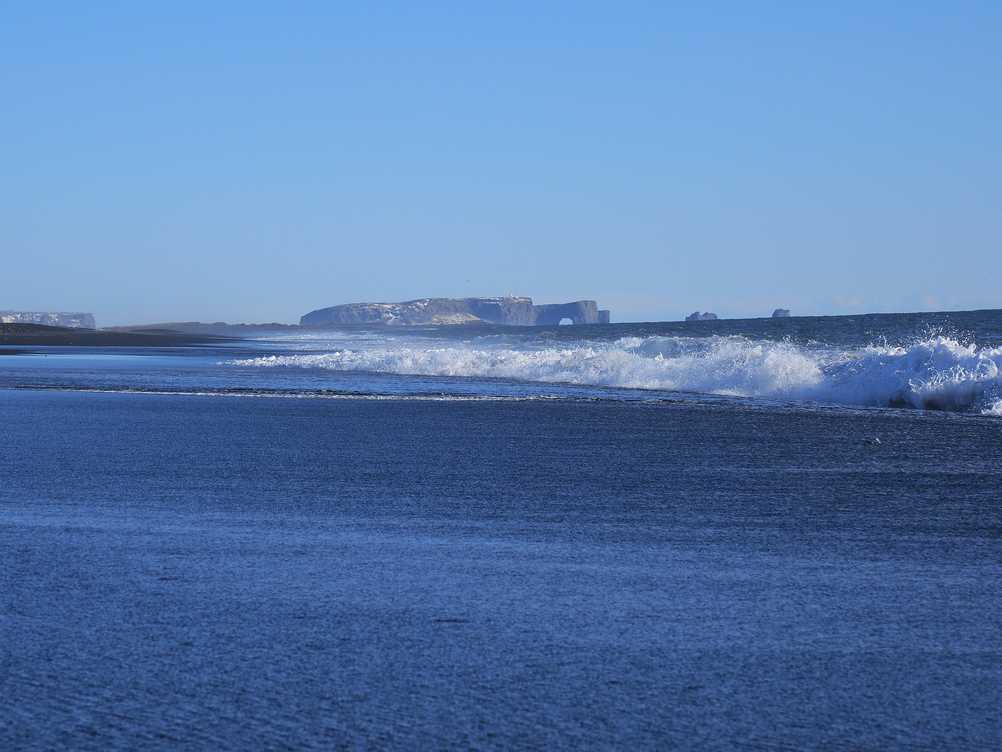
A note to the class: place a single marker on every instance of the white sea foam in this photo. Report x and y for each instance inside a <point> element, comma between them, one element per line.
<point>937,372</point>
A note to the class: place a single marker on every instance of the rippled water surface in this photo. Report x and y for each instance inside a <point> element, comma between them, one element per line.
<point>715,535</point>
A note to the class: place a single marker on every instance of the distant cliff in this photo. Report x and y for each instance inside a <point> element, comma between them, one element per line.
<point>697,316</point>
<point>67,320</point>
<point>506,311</point>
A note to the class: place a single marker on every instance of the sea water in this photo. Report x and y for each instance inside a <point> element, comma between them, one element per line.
<point>773,534</point>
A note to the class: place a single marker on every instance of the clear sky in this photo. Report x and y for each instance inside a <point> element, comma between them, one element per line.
<point>250,161</point>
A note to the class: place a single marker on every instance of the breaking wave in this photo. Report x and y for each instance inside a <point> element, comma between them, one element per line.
<point>934,373</point>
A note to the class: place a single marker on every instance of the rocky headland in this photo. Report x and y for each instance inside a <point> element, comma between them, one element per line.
<point>505,311</point>
<point>47,318</point>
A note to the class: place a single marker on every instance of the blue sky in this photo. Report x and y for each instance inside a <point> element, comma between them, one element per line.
<point>252,161</point>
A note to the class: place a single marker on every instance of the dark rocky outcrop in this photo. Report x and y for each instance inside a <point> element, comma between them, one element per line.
<point>697,316</point>
<point>507,311</point>
<point>46,318</point>
<point>781,313</point>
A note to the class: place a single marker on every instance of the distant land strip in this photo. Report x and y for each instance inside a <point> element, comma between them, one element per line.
<point>40,335</point>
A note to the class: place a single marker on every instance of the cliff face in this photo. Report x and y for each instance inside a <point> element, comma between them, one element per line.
<point>580,312</point>
<point>505,311</point>
<point>67,320</point>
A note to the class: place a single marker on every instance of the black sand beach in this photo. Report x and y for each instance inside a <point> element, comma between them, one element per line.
<point>37,334</point>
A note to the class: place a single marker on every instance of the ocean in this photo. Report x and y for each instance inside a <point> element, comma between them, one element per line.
<point>763,534</point>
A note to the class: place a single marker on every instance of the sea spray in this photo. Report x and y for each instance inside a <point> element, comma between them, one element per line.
<point>720,365</point>
<point>935,373</point>
<point>932,373</point>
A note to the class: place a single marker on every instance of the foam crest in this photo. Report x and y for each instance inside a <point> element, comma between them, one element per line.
<point>733,365</point>
<point>935,373</point>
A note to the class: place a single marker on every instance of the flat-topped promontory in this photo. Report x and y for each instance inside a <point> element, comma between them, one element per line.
<point>506,311</point>
<point>49,318</point>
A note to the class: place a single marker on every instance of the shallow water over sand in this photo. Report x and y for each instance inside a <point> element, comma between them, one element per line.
<point>192,572</point>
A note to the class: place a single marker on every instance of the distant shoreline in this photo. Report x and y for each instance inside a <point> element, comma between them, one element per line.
<point>40,335</point>
<point>242,330</point>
